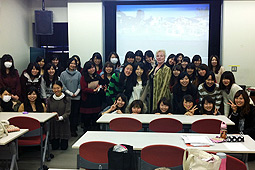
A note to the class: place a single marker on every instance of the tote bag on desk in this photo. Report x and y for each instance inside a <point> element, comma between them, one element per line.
<point>200,160</point>
<point>3,130</point>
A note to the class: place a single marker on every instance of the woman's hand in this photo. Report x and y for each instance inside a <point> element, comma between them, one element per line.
<point>119,111</point>
<point>15,97</point>
<point>215,111</point>
<point>233,106</point>
<point>113,107</point>
<point>192,111</point>
<point>169,114</point>
<point>157,113</point>
<point>188,113</point>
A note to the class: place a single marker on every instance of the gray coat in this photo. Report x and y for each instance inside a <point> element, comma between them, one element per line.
<point>71,83</point>
<point>60,129</point>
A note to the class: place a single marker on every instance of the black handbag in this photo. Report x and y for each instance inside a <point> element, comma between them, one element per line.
<point>121,160</point>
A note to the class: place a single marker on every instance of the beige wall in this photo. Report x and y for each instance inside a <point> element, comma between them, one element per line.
<point>14,31</point>
<point>85,29</point>
<point>238,39</point>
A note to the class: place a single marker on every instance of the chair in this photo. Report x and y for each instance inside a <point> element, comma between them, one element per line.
<point>34,136</point>
<point>125,124</point>
<point>154,156</point>
<point>165,125</point>
<point>235,164</point>
<point>94,155</point>
<point>211,126</point>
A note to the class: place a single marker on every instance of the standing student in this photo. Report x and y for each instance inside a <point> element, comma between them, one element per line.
<point>41,62</point>
<point>149,60</point>
<point>136,107</point>
<point>98,62</point>
<point>163,107</point>
<point>60,126</point>
<point>159,79</point>
<point>138,56</point>
<point>55,60</point>
<point>228,88</point>
<point>71,85</point>
<point>182,88</point>
<point>191,70</point>
<point>92,95</point>
<point>201,74</point>
<point>120,83</point>
<point>210,88</point>
<point>174,78</point>
<point>107,73</point>
<point>32,101</point>
<point>178,58</point>
<point>49,76</point>
<point>30,77</point>
<point>170,62</point>
<point>185,62</point>
<point>9,76</point>
<point>115,60</point>
<point>139,83</point>
<point>129,58</point>
<point>118,107</point>
<point>78,61</point>
<point>188,106</point>
<point>208,106</point>
<point>214,65</point>
<point>242,113</point>
<point>197,60</point>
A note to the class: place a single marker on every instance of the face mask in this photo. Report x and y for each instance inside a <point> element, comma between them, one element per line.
<point>8,64</point>
<point>114,60</point>
<point>6,98</point>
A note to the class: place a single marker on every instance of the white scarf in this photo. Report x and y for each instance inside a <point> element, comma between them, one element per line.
<point>58,98</point>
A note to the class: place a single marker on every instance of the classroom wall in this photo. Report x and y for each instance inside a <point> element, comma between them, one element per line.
<point>14,31</point>
<point>238,40</point>
<point>85,29</point>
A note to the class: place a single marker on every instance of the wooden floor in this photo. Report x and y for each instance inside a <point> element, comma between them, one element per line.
<point>29,158</point>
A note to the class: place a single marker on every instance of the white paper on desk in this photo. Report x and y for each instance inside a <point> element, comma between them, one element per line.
<point>197,140</point>
<point>236,146</point>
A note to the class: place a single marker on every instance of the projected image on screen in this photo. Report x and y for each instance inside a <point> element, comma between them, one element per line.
<point>175,28</point>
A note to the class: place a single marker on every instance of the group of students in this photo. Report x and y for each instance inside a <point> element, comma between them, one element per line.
<point>142,84</point>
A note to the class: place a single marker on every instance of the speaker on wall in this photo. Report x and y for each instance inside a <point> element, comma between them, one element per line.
<point>43,22</point>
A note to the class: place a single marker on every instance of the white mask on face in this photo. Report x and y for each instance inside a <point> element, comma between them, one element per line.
<point>114,60</point>
<point>6,98</point>
<point>8,64</point>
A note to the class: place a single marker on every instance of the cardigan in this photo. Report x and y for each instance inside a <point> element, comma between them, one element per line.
<point>11,82</point>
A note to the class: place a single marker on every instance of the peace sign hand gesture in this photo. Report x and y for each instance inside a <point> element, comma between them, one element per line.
<point>233,106</point>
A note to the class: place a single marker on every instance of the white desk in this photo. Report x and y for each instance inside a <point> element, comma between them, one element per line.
<point>42,118</point>
<point>140,140</point>
<point>12,136</point>
<point>147,118</point>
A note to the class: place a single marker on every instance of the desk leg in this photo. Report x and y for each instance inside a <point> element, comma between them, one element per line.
<point>41,133</point>
<point>17,148</point>
<point>245,159</point>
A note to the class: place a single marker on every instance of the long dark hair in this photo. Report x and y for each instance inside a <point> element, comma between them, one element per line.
<point>149,54</point>
<point>245,109</point>
<point>217,66</point>
<point>40,58</point>
<point>209,99</point>
<point>124,98</point>
<point>38,101</point>
<point>117,56</point>
<point>98,56</point>
<point>78,62</point>
<point>71,60</point>
<point>127,82</point>
<point>87,77</point>
<point>46,76</point>
<point>108,64</point>
<point>129,54</point>
<point>181,76</point>
<point>30,68</point>
<point>7,57</point>
<point>174,80</point>
<point>144,75</point>
<point>227,75</point>
<point>193,75</point>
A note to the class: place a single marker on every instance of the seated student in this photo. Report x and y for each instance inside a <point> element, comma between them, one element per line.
<point>164,107</point>
<point>6,102</point>
<point>32,102</point>
<point>208,106</point>
<point>242,114</point>
<point>188,107</point>
<point>119,105</point>
<point>136,107</point>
